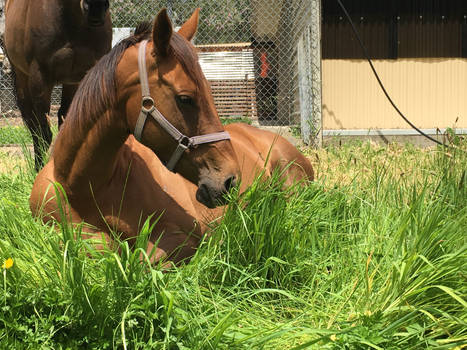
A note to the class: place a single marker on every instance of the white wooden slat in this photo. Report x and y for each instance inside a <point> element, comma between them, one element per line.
<point>225,65</point>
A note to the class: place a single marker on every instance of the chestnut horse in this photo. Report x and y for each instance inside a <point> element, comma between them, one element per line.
<point>114,183</point>
<point>51,42</point>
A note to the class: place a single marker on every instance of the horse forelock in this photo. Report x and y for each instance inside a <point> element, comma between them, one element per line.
<point>186,55</point>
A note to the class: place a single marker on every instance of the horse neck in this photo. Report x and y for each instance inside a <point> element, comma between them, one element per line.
<point>86,150</point>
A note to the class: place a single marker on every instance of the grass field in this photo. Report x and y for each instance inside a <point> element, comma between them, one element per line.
<point>373,255</point>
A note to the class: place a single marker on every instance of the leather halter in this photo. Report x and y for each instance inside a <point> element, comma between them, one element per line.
<point>148,108</point>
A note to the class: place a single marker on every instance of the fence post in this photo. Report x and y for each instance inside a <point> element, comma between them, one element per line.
<point>316,63</point>
<point>309,77</point>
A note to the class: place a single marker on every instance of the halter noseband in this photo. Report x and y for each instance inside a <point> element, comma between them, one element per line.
<point>148,108</point>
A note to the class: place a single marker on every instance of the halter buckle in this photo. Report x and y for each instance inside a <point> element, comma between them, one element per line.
<point>185,142</point>
<point>147,104</point>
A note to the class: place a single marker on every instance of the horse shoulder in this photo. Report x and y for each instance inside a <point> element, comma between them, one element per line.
<point>42,201</point>
<point>142,186</point>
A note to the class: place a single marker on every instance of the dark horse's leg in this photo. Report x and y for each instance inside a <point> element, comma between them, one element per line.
<point>68,92</point>
<point>33,97</point>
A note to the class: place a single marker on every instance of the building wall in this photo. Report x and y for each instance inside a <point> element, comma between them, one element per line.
<point>396,29</point>
<point>431,92</point>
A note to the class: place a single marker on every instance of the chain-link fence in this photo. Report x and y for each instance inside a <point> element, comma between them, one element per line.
<point>261,57</point>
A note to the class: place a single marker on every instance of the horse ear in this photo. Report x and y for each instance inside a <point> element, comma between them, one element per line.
<point>188,29</point>
<point>161,33</point>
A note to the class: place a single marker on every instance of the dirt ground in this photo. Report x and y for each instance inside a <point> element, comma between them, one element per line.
<point>11,120</point>
<point>13,117</point>
<point>11,157</point>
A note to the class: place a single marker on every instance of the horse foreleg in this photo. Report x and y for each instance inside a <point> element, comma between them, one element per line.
<point>38,95</point>
<point>68,92</point>
<point>24,101</point>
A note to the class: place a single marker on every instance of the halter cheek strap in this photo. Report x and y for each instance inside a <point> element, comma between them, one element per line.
<point>148,108</point>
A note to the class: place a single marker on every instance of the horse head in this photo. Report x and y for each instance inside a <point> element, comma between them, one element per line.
<point>95,11</point>
<point>183,122</point>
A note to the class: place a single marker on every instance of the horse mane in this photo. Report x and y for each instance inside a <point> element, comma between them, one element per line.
<point>97,91</point>
<point>185,53</point>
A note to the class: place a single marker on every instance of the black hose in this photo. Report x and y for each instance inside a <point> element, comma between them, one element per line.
<point>365,52</point>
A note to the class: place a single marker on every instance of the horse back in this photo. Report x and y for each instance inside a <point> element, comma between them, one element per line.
<point>275,151</point>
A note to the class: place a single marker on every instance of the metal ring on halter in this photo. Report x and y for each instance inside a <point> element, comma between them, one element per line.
<point>145,100</point>
<point>186,142</point>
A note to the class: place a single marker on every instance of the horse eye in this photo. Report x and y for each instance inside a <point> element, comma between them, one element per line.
<point>185,100</point>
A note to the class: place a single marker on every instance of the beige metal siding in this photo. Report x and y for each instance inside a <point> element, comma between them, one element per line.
<point>430,92</point>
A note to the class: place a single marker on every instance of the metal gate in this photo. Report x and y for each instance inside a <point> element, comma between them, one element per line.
<point>261,57</point>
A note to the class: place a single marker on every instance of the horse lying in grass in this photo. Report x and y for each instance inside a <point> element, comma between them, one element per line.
<point>114,183</point>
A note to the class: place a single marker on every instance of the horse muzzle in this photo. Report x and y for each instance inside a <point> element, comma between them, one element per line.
<point>95,23</point>
<point>95,12</point>
<point>213,195</point>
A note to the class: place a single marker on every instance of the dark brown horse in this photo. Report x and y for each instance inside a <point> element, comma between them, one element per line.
<point>51,42</point>
<point>114,183</point>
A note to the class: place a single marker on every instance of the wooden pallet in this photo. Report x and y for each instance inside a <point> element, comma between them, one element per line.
<point>234,98</point>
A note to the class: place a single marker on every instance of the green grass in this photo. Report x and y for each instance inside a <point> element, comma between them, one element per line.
<point>10,135</point>
<point>371,256</point>
<point>239,119</point>
<point>17,134</point>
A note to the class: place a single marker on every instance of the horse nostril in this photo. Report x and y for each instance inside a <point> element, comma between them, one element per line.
<point>230,183</point>
<point>202,194</point>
